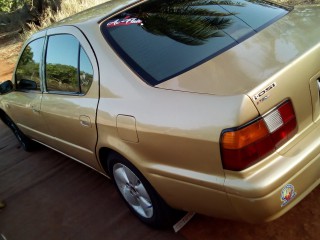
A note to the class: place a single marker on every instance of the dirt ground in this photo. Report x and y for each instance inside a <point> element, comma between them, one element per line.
<point>6,63</point>
<point>6,70</point>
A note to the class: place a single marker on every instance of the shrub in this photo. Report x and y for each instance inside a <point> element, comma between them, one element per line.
<point>67,8</point>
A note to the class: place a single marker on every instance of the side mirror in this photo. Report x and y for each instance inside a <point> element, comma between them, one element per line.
<point>26,84</point>
<point>6,87</point>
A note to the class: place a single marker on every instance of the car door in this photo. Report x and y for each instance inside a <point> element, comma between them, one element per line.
<point>23,105</point>
<point>71,93</point>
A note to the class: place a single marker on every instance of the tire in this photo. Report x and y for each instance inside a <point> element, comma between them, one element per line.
<point>26,143</point>
<point>141,198</point>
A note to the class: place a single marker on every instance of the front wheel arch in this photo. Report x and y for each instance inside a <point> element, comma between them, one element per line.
<point>3,116</point>
<point>26,143</point>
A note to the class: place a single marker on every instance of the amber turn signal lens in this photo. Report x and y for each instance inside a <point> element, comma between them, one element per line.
<point>245,136</point>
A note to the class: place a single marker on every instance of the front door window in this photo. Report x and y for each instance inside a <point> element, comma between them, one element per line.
<point>28,69</point>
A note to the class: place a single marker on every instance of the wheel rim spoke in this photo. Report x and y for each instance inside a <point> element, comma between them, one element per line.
<point>121,176</point>
<point>142,191</point>
<point>131,199</point>
<point>133,179</point>
<point>146,206</point>
<point>133,190</point>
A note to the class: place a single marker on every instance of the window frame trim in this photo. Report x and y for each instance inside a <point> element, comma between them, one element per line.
<point>85,44</point>
<point>57,92</point>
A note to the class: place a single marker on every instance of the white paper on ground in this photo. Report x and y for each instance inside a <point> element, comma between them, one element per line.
<point>183,221</point>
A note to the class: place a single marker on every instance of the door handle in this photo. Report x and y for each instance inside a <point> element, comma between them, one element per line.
<point>85,121</point>
<point>35,109</point>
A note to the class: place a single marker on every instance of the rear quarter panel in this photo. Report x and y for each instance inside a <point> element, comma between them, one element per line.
<point>178,132</point>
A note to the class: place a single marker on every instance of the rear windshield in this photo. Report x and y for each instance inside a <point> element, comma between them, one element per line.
<point>162,39</point>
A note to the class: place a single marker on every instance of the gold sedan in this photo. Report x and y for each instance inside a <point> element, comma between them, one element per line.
<point>202,106</point>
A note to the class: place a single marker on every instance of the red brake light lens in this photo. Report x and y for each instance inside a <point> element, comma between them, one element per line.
<point>244,146</point>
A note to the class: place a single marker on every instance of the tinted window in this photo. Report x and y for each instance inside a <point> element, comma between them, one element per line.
<point>28,69</point>
<point>62,64</point>
<point>86,72</point>
<point>161,39</point>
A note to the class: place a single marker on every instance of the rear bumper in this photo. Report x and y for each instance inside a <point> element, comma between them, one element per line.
<point>297,171</point>
<point>253,195</point>
<point>273,204</point>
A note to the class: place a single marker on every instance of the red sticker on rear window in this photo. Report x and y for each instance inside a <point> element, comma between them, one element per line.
<point>123,22</point>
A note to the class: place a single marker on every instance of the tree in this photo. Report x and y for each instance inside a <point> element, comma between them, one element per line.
<point>27,56</point>
<point>5,5</point>
<point>39,5</point>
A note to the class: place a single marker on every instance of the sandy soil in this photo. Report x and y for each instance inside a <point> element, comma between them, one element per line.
<point>6,70</point>
<point>10,45</point>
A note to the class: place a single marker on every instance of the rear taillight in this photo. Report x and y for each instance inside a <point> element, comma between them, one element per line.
<point>243,146</point>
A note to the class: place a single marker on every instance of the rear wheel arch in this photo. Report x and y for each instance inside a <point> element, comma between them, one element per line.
<point>139,194</point>
<point>104,154</point>
<point>104,158</point>
<point>163,215</point>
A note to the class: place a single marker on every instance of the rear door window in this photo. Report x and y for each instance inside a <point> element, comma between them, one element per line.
<point>62,64</point>
<point>68,68</point>
<point>86,71</point>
